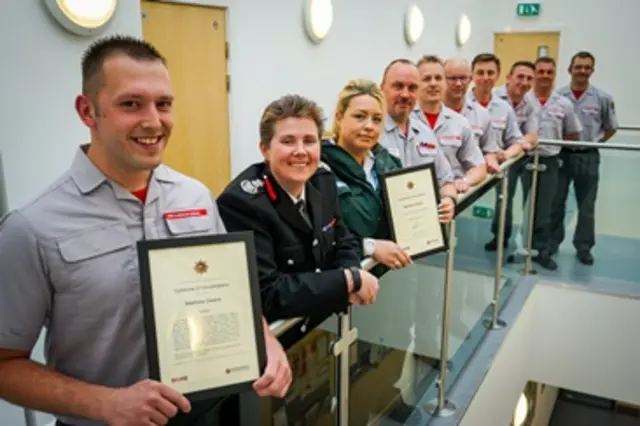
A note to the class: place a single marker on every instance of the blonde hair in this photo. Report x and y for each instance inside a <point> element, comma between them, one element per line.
<point>352,89</point>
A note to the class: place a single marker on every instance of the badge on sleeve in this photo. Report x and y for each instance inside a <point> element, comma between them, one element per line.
<point>251,186</point>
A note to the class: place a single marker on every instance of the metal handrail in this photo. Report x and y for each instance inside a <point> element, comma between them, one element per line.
<point>490,178</point>
<point>585,144</point>
<point>634,128</point>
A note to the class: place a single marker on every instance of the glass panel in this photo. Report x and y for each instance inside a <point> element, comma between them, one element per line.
<point>474,270</point>
<point>398,346</point>
<point>615,243</point>
<point>309,400</point>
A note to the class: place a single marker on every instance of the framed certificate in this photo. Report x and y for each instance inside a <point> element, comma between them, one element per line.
<point>411,200</point>
<point>202,313</point>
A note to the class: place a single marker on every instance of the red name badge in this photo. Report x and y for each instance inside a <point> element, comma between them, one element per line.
<point>182,214</point>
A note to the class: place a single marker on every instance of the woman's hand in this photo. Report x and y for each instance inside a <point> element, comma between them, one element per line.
<point>391,255</point>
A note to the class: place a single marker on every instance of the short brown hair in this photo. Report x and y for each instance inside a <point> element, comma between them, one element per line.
<point>583,54</point>
<point>483,58</point>
<point>527,64</point>
<point>545,60</point>
<point>289,106</point>
<point>429,59</point>
<point>392,63</point>
<point>95,56</point>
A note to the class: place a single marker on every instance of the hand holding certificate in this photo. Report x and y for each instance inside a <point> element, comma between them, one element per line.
<point>202,313</point>
<point>411,199</point>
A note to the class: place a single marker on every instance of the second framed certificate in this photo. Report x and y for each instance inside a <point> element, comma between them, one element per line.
<point>202,313</point>
<point>411,199</point>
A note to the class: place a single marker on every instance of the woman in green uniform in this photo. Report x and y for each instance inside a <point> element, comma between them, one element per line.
<point>352,152</point>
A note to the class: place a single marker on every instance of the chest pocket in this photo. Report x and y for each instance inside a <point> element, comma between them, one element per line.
<point>453,141</point>
<point>552,119</point>
<point>498,127</point>
<point>426,149</point>
<point>98,268</point>
<point>189,226</point>
<point>591,111</point>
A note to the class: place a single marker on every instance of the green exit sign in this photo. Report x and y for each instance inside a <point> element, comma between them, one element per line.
<point>528,9</point>
<point>482,212</point>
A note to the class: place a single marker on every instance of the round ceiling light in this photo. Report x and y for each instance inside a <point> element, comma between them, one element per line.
<point>464,30</point>
<point>82,17</point>
<point>413,24</point>
<point>318,17</point>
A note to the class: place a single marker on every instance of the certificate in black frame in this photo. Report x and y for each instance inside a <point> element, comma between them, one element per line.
<point>144,247</point>
<point>430,170</point>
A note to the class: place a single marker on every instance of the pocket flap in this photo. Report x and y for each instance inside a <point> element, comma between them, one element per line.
<point>190,225</point>
<point>94,242</point>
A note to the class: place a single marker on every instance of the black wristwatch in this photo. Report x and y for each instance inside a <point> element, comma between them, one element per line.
<point>357,279</point>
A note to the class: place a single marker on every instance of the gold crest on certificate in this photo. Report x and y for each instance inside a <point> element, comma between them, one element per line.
<point>202,313</point>
<point>411,200</point>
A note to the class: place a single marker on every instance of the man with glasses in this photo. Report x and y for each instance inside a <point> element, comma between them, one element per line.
<point>458,77</point>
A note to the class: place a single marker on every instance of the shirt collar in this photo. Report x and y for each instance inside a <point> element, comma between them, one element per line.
<point>88,177</point>
<point>302,197</point>
<point>390,124</point>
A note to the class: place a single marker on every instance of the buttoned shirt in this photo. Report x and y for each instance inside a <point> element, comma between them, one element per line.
<point>503,121</point>
<point>69,262</point>
<point>456,140</point>
<point>418,146</point>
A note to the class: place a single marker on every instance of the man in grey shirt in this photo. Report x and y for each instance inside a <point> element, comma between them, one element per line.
<point>408,138</point>
<point>485,69</point>
<point>597,114</point>
<point>69,262</point>
<point>557,121</point>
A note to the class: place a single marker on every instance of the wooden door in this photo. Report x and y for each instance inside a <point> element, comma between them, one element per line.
<point>193,40</point>
<point>512,47</point>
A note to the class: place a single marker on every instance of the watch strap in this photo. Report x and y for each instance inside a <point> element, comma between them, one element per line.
<point>357,279</point>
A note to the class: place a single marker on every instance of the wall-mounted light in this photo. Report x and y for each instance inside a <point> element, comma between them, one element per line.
<point>318,17</point>
<point>522,411</point>
<point>82,17</point>
<point>413,24</point>
<point>463,30</point>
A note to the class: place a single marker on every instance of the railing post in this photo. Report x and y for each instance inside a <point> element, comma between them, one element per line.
<point>528,267</point>
<point>441,406</point>
<point>496,323</point>
<point>29,417</point>
<point>340,349</point>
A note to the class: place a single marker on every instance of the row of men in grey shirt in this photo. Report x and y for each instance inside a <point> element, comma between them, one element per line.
<point>476,129</point>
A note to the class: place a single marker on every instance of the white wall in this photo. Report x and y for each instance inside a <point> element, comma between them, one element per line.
<point>271,56</point>
<point>40,75</point>
<point>566,337</point>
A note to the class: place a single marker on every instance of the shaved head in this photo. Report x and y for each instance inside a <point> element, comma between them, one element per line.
<point>456,62</point>
<point>458,74</point>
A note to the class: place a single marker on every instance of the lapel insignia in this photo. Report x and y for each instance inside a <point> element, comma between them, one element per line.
<point>251,186</point>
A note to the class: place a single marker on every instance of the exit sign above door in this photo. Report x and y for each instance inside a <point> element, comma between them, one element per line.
<point>528,9</point>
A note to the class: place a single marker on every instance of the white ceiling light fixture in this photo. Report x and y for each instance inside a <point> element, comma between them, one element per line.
<point>413,24</point>
<point>82,17</point>
<point>318,18</point>
<point>463,31</point>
